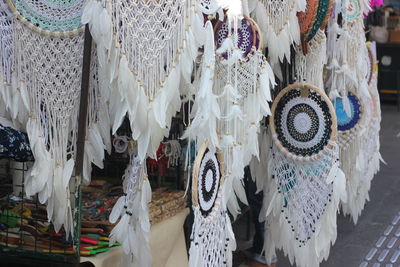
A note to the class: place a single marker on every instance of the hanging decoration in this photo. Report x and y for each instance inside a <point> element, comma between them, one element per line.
<point>48,58</point>
<point>310,60</point>
<point>154,58</point>
<point>48,64</point>
<point>349,73</point>
<point>146,52</point>
<point>133,228</point>
<point>212,238</point>
<point>375,124</point>
<point>306,20</point>
<point>304,184</point>
<point>278,22</point>
<point>229,105</point>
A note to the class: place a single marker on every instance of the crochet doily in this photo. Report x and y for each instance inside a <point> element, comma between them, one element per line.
<point>212,241</point>
<point>346,122</point>
<point>208,182</point>
<point>247,36</point>
<point>351,10</point>
<point>303,124</point>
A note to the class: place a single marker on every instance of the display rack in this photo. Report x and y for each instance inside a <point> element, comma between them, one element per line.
<point>22,239</point>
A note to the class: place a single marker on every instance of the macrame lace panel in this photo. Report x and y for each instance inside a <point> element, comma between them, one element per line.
<point>244,74</point>
<point>304,189</point>
<point>51,67</point>
<point>309,67</point>
<point>279,13</point>
<point>151,35</point>
<point>52,15</point>
<point>210,237</point>
<point>6,44</point>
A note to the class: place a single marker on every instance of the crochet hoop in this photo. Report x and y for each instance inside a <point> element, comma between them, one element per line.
<point>371,63</point>
<point>307,18</point>
<point>249,35</point>
<point>208,179</point>
<point>351,10</point>
<point>348,123</point>
<point>321,18</point>
<point>303,121</point>
<point>47,28</point>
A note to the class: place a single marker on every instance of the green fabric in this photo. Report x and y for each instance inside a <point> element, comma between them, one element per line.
<point>54,21</point>
<point>9,218</point>
<point>323,8</point>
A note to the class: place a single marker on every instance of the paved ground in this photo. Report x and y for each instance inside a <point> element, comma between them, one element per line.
<point>355,243</point>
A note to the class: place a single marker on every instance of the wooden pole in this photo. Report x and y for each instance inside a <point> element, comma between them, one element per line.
<point>80,152</point>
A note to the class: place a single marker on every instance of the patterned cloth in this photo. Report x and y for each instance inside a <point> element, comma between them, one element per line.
<point>14,145</point>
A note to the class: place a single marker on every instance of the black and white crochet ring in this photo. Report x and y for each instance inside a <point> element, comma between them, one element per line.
<point>303,122</point>
<point>212,239</point>
<point>207,180</point>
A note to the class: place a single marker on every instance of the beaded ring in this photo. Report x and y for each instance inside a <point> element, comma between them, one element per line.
<point>207,181</point>
<point>33,14</point>
<point>371,63</point>
<point>303,121</point>
<point>321,19</point>
<point>249,35</point>
<point>306,19</point>
<point>351,10</point>
<point>347,123</point>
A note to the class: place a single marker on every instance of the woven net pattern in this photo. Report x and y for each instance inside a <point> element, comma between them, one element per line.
<point>131,182</point>
<point>209,236</point>
<point>244,73</point>
<point>309,67</point>
<point>52,15</point>
<point>6,44</point>
<point>51,67</point>
<point>279,13</point>
<point>304,189</point>
<point>208,182</point>
<point>151,34</point>
<point>355,44</point>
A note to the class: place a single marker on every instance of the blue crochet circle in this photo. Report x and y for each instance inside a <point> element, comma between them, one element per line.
<point>346,122</point>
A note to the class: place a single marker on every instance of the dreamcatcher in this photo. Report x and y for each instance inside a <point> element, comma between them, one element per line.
<point>311,55</point>
<point>48,62</point>
<point>349,72</point>
<point>227,114</point>
<point>368,160</point>
<point>305,183</point>
<point>375,125</point>
<point>154,57</point>
<point>242,85</point>
<point>212,239</point>
<point>146,52</point>
<point>278,22</point>
<point>133,210</point>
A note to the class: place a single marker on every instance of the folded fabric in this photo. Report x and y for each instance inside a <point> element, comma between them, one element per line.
<point>14,145</point>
